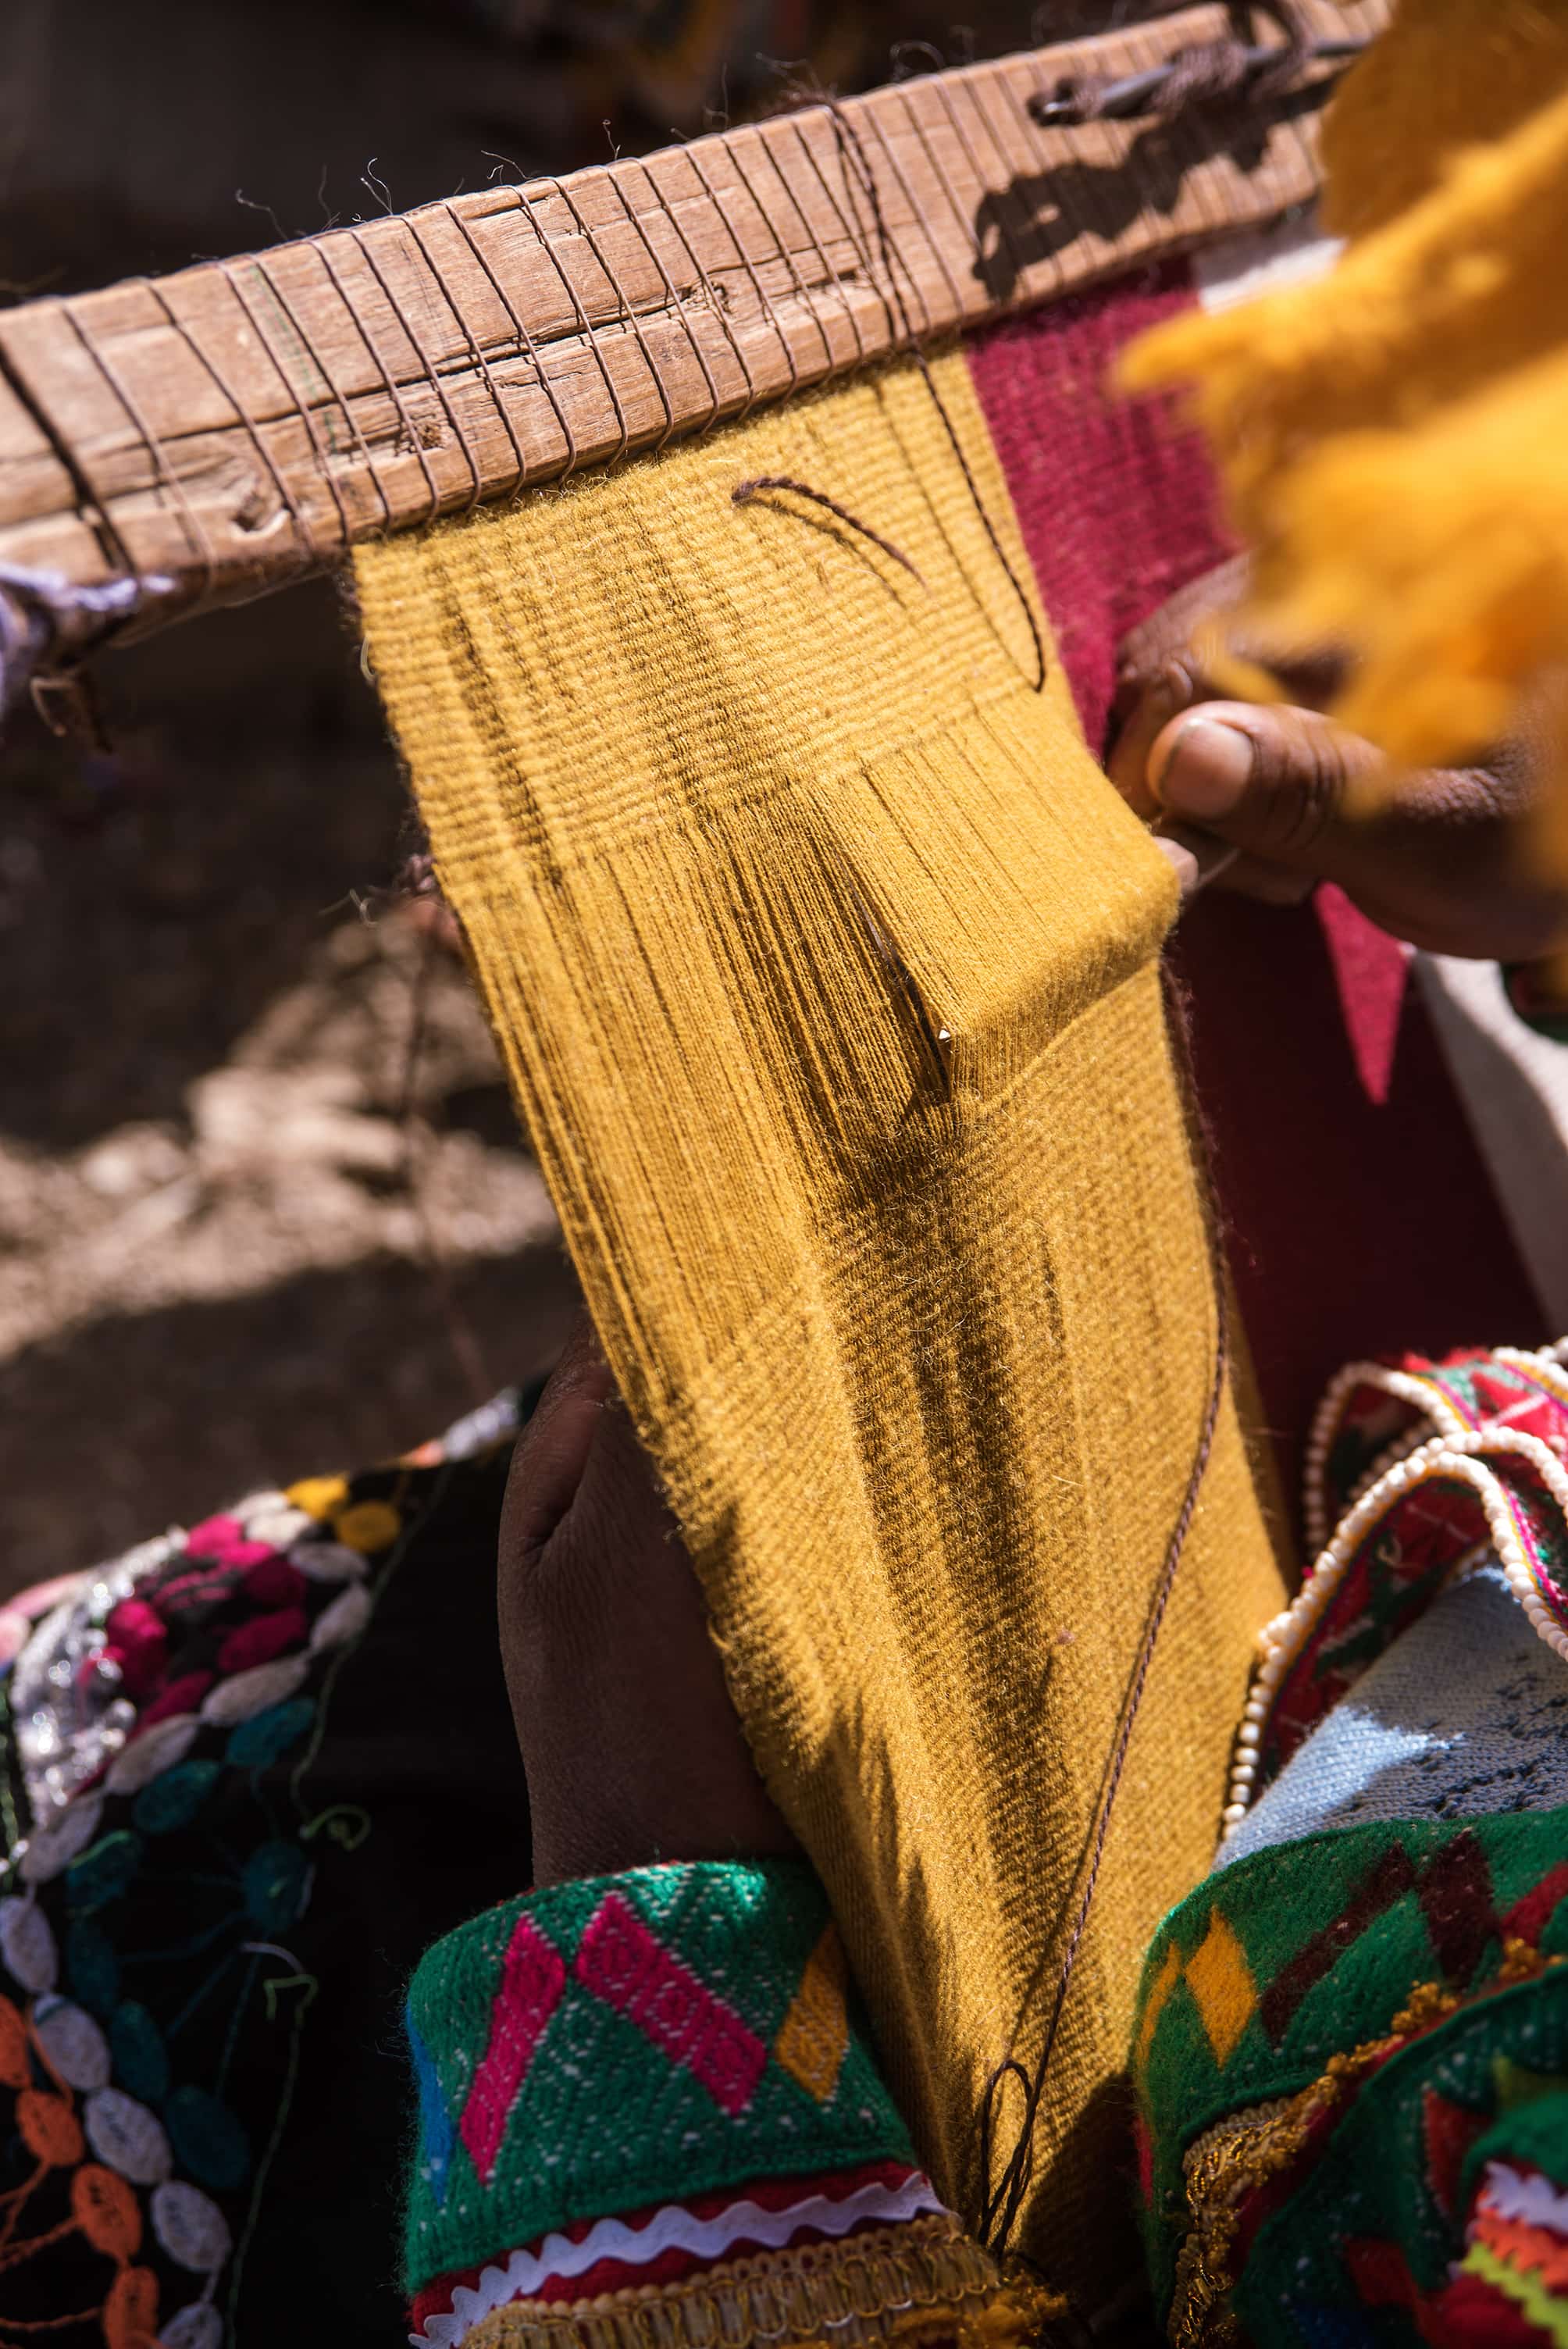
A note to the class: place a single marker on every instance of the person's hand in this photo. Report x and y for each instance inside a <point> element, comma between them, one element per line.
<point>1270,799</point>
<point>631,1745</point>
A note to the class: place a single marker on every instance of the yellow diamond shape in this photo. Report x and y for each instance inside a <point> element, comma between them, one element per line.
<point>1221,1980</point>
<point>1160,1990</point>
<point>815,2035</point>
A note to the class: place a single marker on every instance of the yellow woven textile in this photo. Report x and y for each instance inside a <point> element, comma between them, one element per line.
<point>1395,437</point>
<point>739,815</point>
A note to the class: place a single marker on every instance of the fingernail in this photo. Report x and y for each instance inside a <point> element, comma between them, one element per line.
<point>1206,770</point>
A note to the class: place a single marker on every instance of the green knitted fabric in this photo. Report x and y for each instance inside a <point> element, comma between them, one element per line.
<point>602,2046</point>
<point>1309,1950</point>
<point>1380,2218</point>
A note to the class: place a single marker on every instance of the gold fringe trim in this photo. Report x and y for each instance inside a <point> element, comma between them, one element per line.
<point>921,2283</point>
<point>1226,2166</point>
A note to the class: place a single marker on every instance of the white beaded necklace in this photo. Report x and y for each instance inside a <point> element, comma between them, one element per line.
<point>1455,1453</point>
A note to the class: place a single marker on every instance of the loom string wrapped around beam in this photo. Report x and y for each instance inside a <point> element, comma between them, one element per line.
<point>216,433</point>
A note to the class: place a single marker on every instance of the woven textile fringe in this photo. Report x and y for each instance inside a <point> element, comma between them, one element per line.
<point>825,965</point>
<point>1395,437</point>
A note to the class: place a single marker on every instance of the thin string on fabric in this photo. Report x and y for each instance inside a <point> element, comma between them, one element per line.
<point>1004,2201</point>
<point>850,143</point>
<point>744,491</point>
<point>525,343</point>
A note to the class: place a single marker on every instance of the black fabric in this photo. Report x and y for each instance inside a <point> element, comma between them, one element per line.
<point>248,1966</point>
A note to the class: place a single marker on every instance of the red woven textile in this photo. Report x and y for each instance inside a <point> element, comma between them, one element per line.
<point>1361,1215</point>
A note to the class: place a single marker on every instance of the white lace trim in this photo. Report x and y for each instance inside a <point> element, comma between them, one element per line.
<point>673,2228</point>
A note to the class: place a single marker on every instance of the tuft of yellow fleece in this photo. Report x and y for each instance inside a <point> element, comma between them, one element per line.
<point>1394,436</point>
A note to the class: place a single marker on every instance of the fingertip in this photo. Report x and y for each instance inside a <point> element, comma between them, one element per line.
<point>1141,715</point>
<point>1203,762</point>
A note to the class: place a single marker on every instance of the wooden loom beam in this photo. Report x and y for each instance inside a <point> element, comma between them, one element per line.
<point>226,428</point>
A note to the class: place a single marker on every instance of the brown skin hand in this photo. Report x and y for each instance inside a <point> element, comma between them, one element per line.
<point>630,1744</point>
<point>1444,863</point>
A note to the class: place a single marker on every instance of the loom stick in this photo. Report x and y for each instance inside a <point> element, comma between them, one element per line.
<point>231,426</point>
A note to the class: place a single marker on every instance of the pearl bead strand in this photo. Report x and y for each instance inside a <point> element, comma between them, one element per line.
<point>1282,1642</point>
<point>1400,1386</point>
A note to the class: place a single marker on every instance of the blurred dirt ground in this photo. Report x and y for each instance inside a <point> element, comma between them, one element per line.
<point>250,1225</point>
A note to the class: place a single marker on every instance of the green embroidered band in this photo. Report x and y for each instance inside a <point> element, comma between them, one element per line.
<point>601,2046</point>
<point>1284,1969</point>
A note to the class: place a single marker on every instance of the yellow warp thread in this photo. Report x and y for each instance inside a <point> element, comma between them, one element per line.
<point>737,816</point>
<point>1393,437</point>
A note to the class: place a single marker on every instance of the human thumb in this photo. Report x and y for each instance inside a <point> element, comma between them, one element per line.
<point>1276,782</point>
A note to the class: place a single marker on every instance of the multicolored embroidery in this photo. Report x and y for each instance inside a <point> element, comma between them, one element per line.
<point>1434,1465</point>
<point>1277,1999</point>
<point>166,1711</point>
<point>707,2004</point>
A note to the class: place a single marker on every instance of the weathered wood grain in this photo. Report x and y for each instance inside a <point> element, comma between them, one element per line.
<point>235,424</point>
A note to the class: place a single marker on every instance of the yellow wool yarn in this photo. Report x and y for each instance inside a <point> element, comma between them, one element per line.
<point>1395,437</point>
<point>739,815</point>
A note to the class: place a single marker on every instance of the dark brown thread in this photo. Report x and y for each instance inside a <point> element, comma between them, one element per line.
<point>963,215</point>
<point>352,315</point>
<point>286,498</point>
<point>1208,73</point>
<point>998,195</point>
<point>935,1042</point>
<point>111,538</point>
<point>1001,2203</point>
<point>765,300</point>
<point>628,312</point>
<point>830,275</point>
<point>595,348</point>
<point>744,491</point>
<point>481,362</point>
<point>525,343</point>
<point>919,211</point>
<point>432,374</point>
<point>676,305</point>
<point>296,510</point>
<point>672,214</point>
<point>320,450</point>
<point>847,133</point>
<point>344,406</point>
<point>411,430</point>
<point>163,474</point>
